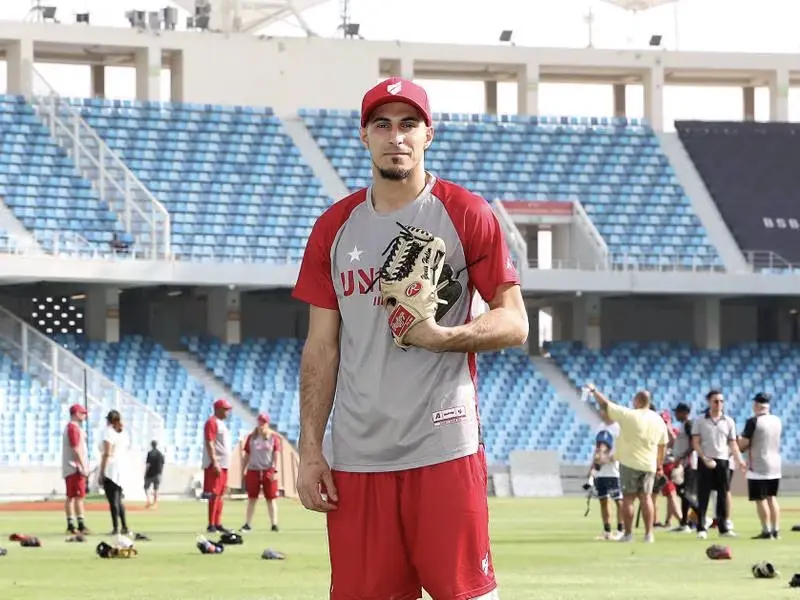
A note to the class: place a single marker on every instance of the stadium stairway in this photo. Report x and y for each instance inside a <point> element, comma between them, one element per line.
<point>566,390</point>
<point>15,234</point>
<point>215,386</point>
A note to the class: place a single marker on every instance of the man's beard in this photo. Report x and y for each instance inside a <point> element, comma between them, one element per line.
<point>394,174</point>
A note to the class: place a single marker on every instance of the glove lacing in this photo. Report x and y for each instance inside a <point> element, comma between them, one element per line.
<point>402,266</point>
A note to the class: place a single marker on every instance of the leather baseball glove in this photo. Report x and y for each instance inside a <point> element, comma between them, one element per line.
<point>409,279</point>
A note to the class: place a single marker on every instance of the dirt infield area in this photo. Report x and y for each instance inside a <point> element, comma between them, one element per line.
<point>58,505</point>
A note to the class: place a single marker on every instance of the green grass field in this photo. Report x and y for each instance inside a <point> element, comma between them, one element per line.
<point>543,549</point>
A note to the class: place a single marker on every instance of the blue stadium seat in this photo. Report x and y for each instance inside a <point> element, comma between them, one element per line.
<point>614,167</point>
<point>680,373</point>
<point>235,184</point>
<point>519,408</point>
<point>143,368</point>
<point>40,184</point>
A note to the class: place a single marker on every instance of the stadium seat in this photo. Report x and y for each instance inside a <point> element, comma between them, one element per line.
<point>519,408</point>
<point>750,171</point>
<point>680,373</point>
<point>614,167</point>
<point>41,186</point>
<point>235,185</point>
<point>146,370</point>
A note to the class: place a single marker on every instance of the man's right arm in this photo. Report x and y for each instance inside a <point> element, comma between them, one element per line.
<point>74,435</point>
<point>319,367</point>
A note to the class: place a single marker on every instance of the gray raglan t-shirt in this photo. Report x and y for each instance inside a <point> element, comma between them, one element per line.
<point>397,409</point>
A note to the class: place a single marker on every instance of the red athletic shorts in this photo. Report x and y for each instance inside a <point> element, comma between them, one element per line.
<point>255,481</point>
<point>395,533</point>
<point>669,488</point>
<point>213,483</point>
<point>76,485</point>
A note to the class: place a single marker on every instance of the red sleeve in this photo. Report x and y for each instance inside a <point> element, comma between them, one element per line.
<point>247,443</point>
<point>277,444</point>
<point>73,435</point>
<point>314,281</point>
<point>210,430</point>
<point>488,258</point>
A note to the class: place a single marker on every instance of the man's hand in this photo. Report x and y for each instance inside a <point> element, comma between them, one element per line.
<point>313,476</point>
<point>217,470</point>
<point>743,467</point>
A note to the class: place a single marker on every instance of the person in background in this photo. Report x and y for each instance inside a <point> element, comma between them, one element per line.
<point>641,448</point>
<point>604,475</point>
<point>216,460</point>
<point>154,467</point>
<point>714,440</point>
<point>761,439</point>
<point>260,470</point>
<point>113,463</point>
<point>74,468</point>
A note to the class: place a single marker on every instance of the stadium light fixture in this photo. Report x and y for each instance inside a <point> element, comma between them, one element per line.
<point>170,18</point>
<point>82,18</point>
<point>351,30</point>
<point>655,41</point>
<point>505,35</point>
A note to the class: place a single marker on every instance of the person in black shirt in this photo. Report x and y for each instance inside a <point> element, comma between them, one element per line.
<point>152,474</point>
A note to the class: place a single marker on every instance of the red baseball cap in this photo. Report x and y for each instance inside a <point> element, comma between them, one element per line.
<point>77,409</point>
<point>263,419</point>
<point>396,89</point>
<point>222,403</point>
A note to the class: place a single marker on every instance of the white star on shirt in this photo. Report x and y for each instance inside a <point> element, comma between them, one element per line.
<point>355,254</point>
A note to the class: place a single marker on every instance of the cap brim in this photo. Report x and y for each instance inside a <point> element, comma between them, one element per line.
<point>371,108</point>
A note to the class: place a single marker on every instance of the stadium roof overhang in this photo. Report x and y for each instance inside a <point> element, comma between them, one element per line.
<point>255,15</point>
<point>639,5</point>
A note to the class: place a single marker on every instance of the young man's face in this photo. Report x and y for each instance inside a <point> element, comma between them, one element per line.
<point>396,137</point>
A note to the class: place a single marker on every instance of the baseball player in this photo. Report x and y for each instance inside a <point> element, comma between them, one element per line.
<point>75,467</point>
<point>390,273</point>
<point>604,476</point>
<point>216,460</point>
<point>259,470</point>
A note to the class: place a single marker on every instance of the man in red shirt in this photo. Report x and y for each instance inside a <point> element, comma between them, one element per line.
<point>216,460</point>
<point>75,467</point>
<point>260,470</point>
<point>405,489</point>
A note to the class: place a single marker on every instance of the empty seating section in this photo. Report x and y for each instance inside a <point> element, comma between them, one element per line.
<point>263,373</point>
<point>234,183</point>
<point>678,373</point>
<point>146,370</point>
<point>750,170</point>
<point>32,421</point>
<point>519,408</point>
<point>40,184</point>
<point>614,167</point>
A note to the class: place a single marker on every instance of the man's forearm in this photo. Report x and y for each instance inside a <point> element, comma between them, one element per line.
<point>212,455</point>
<point>318,370</point>
<point>496,329</point>
<point>660,456</point>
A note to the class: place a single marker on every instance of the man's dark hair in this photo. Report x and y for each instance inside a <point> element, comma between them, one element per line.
<point>154,444</point>
<point>713,392</point>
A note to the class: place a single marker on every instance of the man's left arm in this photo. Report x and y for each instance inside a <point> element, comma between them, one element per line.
<point>491,271</point>
<point>734,448</point>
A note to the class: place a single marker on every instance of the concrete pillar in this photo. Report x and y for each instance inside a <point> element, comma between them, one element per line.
<point>586,310</point>
<point>528,90</point>
<point>148,73</point>
<point>620,100</point>
<point>19,68</point>
<point>749,103</point>
<point>534,342</point>
<point>102,314</point>
<point>561,314</point>
<point>407,68</point>
<point>224,316</point>
<point>707,321</point>
<point>779,95</point>
<point>490,92</point>
<point>176,77</point>
<point>98,81</point>
<point>653,84</point>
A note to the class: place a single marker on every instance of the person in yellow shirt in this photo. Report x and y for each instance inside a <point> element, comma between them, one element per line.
<point>640,451</point>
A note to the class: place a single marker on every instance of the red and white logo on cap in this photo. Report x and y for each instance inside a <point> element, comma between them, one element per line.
<point>394,88</point>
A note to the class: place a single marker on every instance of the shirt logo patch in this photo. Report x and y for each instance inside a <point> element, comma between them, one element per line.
<point>394,88</point>
<point>449,416</point>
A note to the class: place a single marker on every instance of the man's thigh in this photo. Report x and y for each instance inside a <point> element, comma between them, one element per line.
<point>368,551</point>
<point>608,487</point>
<point>75,486</point>
<point>635,482</point>
<point>446,520</point>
